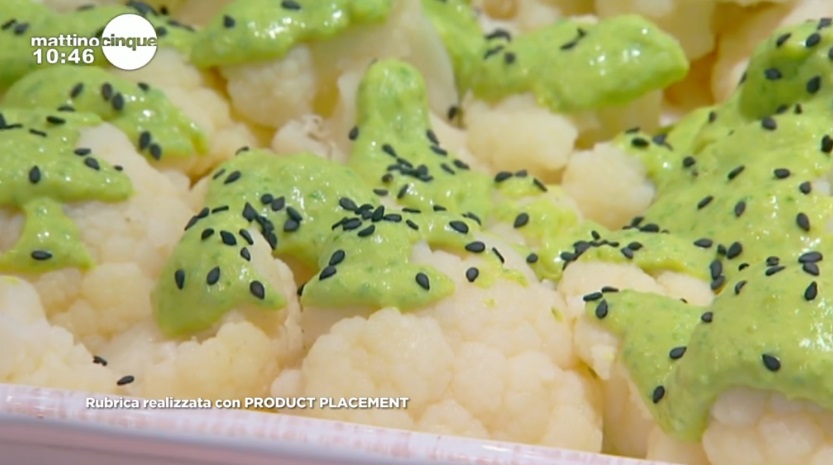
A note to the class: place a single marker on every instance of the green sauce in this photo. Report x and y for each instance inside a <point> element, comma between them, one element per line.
<point>255,30</point>
<point>152,122</point>
<point>568,66</point>
<point>40,170</point>
<point>736,182</point>
<point>20,20</point>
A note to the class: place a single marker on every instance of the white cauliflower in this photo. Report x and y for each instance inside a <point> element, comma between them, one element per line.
<point>627,421</point>
<point>518,134</point>
<point>129,241</point>
<point>739,41</point>
<point>609,186</point>
<point>194,93</point>
<point>37,353</point>
<point>527,15</point>
<point>491,363</point>
<point>237,359</point>
<point>274,92</point>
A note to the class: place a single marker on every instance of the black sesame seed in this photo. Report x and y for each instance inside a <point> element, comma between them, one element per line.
<point>540,185</point>
<point>718,283</point>
<point>703,243</point>
<point>707,317</point>
<point>221,208</point>
<point>66,108</point>
<point>810,257</point>
<point>771,362</point>
<point>327,272</point>
<point>20,28</point>
<point>658,394</point>
<point>781,173</point>
<point>228,238</point>
<point>156,152</point>
<point>106,91</point>
<point>772,261</point>
<point>125,380</point>
<point>812,40</point>
<point>161,31</point>
<point>721,249</point>
<point>639,142</point>
<point>294,214</point>
<point>601,309</point>
<point>244,253</point>
<point>206,233</point>
<point>813,85</point>
<point>734,250</point>
<point>232,177</point>
<point>772,74</point>
<point>337,257</point>
<point>98,360</point>
<point>627,253</point>
<point>677,353</point>
<point>476,247</point>
<point>802,221</point>
<point>716,269</point>
<point>403,191</point>
<point>740,207</point>
<point>811,269</point>
<point>213,276</point>
<point>567,256</point>
<point>502,176</point>
<point>257,289</point>
<point>76,90</point>
<point>609,289</point>
<point>439,150</point>
<point>347,204</point>
<point>689,161</point>
<point>291,225</point>
<point>769,123</point>
<point>367,231</point>
<point>40,255</point>
<point>6,25</point>
<point>459,226</point>
<point>735,172</point>
<point>412,225</point>
<point>509,58</point>
<point>354,133</point>
<point>144,140</point>
<point>249,213</point>
<point>592,297</point>
<point>773,269</point>
<point>704,202</point>
<point>92,163</point>
<point>266,199</point>
<point>228,21</point>
<point>827,144</point>
<point>378,214</point>
<point>388,149</point>
<point>811,292</point>
<point>55,120</point>
<point>782,38</point>
<point>144,86</point>
<point>452,112</point>
<point>492,52</point>
<point>117,102</point>
<point>179,278</point>
<point>634,245</point>
<point>422,279</point>
<point>521,220</point>
<point>472,274</point>
<point>82,152</point>
<point>712,117</point>
<point>34,175</point>
<point>739,286</point>
<point>805,187</point>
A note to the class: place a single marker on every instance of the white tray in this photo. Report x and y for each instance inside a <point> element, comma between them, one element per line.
<point>45,426</point>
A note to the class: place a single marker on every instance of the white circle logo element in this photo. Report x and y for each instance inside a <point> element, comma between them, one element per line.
<point>125,42</point>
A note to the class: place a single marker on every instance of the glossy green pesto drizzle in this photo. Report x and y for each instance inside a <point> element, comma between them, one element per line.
<point>739,182</point>
<point>40,170</point>
<point>152,122</point>
<point>20,20</point>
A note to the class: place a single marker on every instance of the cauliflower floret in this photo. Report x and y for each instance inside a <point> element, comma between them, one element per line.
<point>305,80</point>
<point>493,363</point>
<point>194,12</point>
<point>129,242</point>
<point>608,185</point>
<point>193,92</point>
<point>740,39</point>
<point>531,14</point>
<point>305,134</point>
<point>39,354</point>
<point>627,421</point>
<point>518,134</point>
<point>238,359</point>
